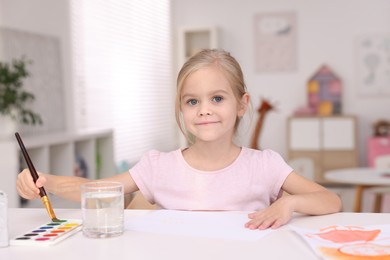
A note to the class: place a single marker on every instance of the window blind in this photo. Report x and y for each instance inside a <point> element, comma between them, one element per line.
<point>122,73</point>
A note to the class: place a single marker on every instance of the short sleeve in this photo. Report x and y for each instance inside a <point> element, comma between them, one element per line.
<point>143,174</point>
<point>277,170</point>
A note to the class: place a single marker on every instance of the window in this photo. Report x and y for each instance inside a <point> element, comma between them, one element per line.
<point>122,73</point>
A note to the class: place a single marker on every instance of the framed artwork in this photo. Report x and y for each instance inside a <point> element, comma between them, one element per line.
<point>275,42</point>
<point>45,81</point>
<point>373,65</point>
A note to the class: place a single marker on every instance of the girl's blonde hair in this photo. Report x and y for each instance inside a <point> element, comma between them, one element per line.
<point>206,58</point>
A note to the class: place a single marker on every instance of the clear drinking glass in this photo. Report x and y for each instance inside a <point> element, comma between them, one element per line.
<point>102,205</point>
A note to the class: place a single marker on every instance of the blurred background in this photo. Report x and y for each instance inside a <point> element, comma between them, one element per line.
<point>111,66</point>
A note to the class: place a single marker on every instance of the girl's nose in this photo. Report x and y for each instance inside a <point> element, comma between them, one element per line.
<point>204,111</point>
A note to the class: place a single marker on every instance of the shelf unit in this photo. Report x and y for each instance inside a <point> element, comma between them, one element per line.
<point>193,39</point>
<point>329,141</point>
<point>56,154</point>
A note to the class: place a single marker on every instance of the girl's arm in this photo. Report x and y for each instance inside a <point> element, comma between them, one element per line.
<point>305,197</point>
<point>309,197</point>
<point>67,187</point>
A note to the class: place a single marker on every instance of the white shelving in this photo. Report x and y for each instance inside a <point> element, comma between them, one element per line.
<point>56,154</point>
<point>330,142</point>
<point>193,39</point>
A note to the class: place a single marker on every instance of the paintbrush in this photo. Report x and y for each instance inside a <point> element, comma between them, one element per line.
<point>34,174</point>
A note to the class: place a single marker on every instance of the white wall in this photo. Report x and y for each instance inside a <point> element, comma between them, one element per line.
<point>327,33</point>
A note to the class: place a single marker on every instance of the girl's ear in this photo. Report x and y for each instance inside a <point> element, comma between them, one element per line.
<point>242,107</point>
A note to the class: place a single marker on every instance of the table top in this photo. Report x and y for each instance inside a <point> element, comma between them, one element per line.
<point>360,176</point>
<point>149,245</point>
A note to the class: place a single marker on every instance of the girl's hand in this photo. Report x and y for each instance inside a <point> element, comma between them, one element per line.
<point>276,215</point>
<point>26,187</point>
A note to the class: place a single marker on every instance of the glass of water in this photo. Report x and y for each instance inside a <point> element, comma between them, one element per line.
<point>102,206</point>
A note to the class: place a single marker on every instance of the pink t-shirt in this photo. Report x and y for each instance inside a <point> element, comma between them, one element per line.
<point>252,182</point>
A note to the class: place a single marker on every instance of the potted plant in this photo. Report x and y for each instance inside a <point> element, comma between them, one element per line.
<point>14,99</point>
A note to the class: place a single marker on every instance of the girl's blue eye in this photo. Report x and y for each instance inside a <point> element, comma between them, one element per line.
<point>192,102</point>
<point>217,99</point>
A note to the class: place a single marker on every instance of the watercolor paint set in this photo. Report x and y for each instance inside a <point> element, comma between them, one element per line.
<point>48,234</point>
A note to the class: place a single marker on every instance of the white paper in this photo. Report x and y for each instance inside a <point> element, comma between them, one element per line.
<point>222,225</point>
<point>342,242</point>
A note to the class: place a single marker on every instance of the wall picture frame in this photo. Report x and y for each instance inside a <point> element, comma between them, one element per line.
<point>275,42</point>
<point>373,65</point>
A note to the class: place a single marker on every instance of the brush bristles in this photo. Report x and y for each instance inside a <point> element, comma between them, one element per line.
<point>49,209</point>
<point>57,220</point>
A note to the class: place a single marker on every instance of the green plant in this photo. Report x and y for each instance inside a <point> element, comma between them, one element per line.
<point>13,98</point>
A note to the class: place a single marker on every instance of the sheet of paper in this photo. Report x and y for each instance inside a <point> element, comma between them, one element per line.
<point>348,242</point>
<point>222,225</point>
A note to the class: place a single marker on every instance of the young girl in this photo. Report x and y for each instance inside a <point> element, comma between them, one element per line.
<point>213,173</point>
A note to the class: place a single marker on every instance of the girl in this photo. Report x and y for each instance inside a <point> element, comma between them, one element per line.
<point>213,173</point>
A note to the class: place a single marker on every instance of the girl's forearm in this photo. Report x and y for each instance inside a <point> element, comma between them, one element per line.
<point>316,203</point>
<point>67,187</point>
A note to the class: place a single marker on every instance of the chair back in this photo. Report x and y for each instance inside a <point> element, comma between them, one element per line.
<point>303,166</point>
<point>139,202</point>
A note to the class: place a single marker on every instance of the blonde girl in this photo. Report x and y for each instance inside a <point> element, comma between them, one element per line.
<point>212,173</point>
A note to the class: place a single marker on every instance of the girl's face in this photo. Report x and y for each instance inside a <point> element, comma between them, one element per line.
<point>208,105</point>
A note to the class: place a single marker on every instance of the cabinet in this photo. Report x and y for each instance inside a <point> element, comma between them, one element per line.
<point>193,39</point>
<point>330,142</point>
<point>59,154</point>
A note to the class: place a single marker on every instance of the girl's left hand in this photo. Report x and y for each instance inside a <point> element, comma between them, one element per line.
<point>276,215</point>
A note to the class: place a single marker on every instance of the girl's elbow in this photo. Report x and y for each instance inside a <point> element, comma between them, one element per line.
<point>337,204</point>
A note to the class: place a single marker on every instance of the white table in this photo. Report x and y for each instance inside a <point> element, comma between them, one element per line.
<point>362,178</point>
<point>282,244</point>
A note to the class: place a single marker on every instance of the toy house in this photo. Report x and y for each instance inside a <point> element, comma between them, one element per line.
<point>324,92</point>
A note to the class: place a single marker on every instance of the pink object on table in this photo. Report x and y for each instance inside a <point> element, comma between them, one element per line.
<point>377,146</point>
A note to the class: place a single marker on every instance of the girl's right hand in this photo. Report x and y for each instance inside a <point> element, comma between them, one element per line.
<point>26,187</point>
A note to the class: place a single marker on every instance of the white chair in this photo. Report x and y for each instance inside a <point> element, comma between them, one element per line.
<point>303,166</point>
<point>380,162</point>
